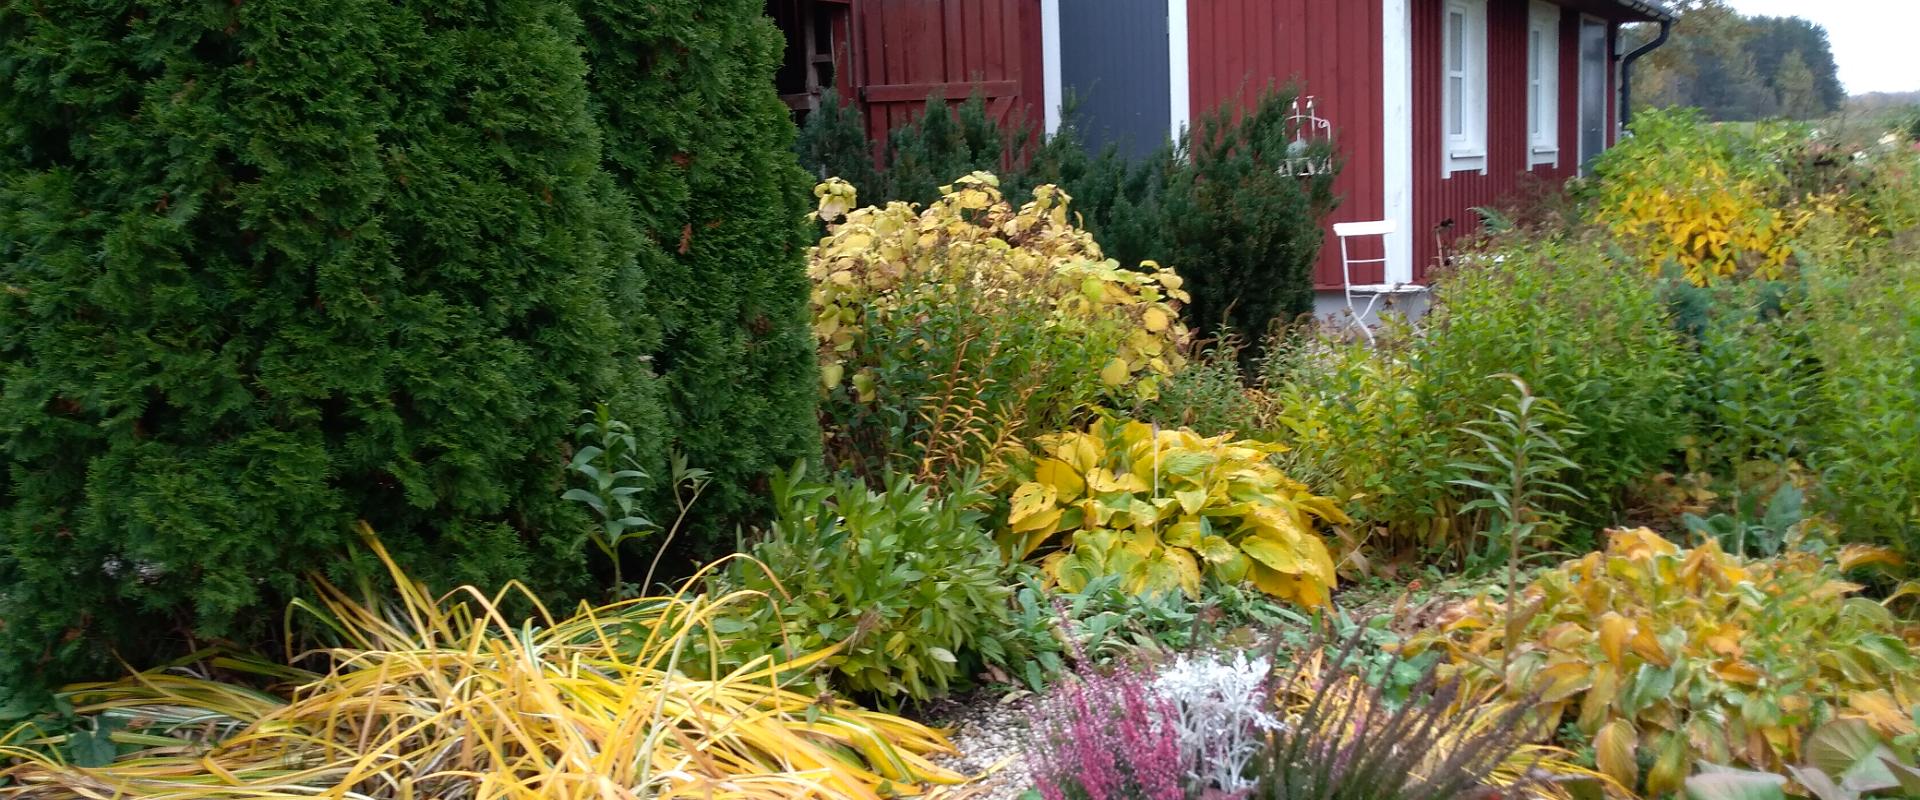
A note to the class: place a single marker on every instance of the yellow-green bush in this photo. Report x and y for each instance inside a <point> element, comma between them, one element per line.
<point>1706,199</point>
<point>1165,509</point>
<point>954,331</point>
<point>1666,656</point>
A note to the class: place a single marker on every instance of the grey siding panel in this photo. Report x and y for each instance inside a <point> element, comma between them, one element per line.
<point>1113,67</point>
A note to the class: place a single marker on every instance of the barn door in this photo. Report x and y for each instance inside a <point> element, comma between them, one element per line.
<point>909,49</point>
<point>1114,72</point>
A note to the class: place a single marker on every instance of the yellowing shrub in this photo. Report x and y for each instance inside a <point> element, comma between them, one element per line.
<point>1669,656</point>
<point>1164,508</point>
<point>1707,199</point>
<point>951,332</point>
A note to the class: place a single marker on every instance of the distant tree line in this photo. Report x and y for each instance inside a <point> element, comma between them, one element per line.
<point>1737,67</point>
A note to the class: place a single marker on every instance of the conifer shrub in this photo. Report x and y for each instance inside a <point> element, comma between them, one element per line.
<point>697,136</point>
<point>274,267</point>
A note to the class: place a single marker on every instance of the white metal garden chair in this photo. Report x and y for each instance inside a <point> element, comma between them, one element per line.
<point>1395,284</point>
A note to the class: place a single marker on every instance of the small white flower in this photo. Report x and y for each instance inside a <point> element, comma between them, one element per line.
<point>1220,709</point>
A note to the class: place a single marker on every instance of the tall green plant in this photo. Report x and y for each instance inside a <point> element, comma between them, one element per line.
<point>1524,457</point>
<point>696,134</point>
<point>274,267</point>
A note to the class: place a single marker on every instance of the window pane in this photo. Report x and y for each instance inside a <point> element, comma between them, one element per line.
<point>1456,106</point>
<point>1534,56</point>
<point>1456,41</point>
<point>1533,103</point>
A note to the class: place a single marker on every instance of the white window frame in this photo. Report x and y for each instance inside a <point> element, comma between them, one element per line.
<point>1463,80</point>
<point>1543,85</point>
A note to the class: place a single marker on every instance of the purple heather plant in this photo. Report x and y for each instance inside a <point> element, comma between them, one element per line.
<point>1105,735</point>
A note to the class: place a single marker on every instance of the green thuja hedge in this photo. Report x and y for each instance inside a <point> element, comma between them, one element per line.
<point>273,267</point>
<point>697,136</point>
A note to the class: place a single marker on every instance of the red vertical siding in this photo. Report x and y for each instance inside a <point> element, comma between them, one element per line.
<point>1333,47</point>
<point>1437,198</point>
<point>907,49</point>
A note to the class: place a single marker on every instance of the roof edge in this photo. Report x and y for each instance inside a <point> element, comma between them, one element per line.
<point>1650,10</point>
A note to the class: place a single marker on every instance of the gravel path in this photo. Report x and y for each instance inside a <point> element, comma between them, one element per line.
<point>989,732</point>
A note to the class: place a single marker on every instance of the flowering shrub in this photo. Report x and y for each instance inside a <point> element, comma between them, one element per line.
<point>948,333</point>
<point>1106,736</point>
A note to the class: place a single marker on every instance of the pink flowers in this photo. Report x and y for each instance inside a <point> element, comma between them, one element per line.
<point>1105,736</point>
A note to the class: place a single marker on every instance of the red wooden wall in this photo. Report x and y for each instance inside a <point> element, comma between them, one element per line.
<point>906,49</point>
<point>1437,198</point>
<point>1333,47</point>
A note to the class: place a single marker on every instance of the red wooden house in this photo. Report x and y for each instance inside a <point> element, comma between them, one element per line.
<point>1437,106</point>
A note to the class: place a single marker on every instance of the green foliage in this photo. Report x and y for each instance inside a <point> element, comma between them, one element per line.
<point>608,463</point>
<point>1239,224</point>
<point>911,583</point>
<point>1739,67</point>
<point>833,144</point>
<point>1383,426</point>
<point>277,266</point>
<point>696,135</point>
<point>1523,447</point>
<point>1848,760</point>
<point>1209,396</point>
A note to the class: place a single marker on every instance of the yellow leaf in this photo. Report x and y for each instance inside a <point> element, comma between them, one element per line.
<point>1060,475</point>
<point>1031,499</point>
<point>1114,373</point>
<point>1613,634</point>
<point>1615,750</point>
<point>1155,320</point>
<point>1860,555</point>
<point>1670,765</point>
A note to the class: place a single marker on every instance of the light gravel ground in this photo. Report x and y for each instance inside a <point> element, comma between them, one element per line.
<point>989,731</point>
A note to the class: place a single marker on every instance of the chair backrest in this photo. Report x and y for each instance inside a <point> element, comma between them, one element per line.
<point>1375,228</point>
<point>1348,230</point>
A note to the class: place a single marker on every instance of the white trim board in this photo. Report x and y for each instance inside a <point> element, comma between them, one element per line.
<point>1396,22</point>
<point>1050,79</point>
<point>1179,70</point>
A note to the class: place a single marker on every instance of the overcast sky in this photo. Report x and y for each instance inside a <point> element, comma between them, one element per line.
<point>1873,40</point>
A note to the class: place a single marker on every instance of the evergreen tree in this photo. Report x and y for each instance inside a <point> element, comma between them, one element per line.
<point>277,266</point>
<point>833,144</point>
<point>1799,99</point>
<point>698,137</point>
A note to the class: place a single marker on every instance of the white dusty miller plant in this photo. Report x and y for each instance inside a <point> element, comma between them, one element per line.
<point>1219,708</point>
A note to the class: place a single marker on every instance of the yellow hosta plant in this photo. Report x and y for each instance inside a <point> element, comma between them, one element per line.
<point>1666,656</point>
<point>1164,508</point>
<point>973,246</point>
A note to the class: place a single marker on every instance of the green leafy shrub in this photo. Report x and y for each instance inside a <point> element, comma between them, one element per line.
<point>1384,426</point>
<point>274,267</point>
<point>1664,656</point>
<point>948,334</point>
<point>912,583</point>
<point>697,136</point>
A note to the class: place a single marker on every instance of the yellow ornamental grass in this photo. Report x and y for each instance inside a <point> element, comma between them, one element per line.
<point>1667,657</point>
<point>444,698</point>
<point>877,260</point>
<point>1165,508</point>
